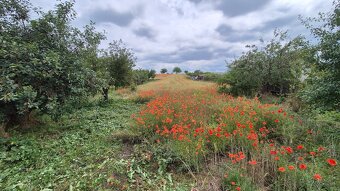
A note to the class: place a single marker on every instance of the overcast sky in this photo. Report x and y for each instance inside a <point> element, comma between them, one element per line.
<point>192,34</point>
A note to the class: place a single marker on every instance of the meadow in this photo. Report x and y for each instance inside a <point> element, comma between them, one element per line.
<point>172,134</point>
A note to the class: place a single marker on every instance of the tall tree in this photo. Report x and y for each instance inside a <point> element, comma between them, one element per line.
<point>41,60</point>
<point>117,65</point>
<point>274,68</point>
<point>164,70</point>
<point>322,89</point>
<point>177,70</point>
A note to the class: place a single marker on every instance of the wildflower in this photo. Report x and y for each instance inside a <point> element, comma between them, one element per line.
<point>252,162</point>
<point>317,177</point>
<point>312,153</point>
<point>332,162</point>
<point>291,167</point>
<point>299,147</point>
<point>238,188</point>
<point>303,166</point>
<point>232,183</point>
<point>272,152</point>
<point>276,120</point>
<point>289,150</point>
<point>321,149</point>
<point>282,169</point>
<point>300,158</point>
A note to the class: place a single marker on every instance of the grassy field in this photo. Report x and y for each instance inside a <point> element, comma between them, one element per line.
<point>178,83</point>
<point>186,137</point>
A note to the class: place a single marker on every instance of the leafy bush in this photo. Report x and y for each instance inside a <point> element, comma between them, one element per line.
<point>41,61</point>
<point>275,68</point>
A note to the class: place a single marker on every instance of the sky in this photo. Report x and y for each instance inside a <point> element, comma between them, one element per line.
<point>192,34</point>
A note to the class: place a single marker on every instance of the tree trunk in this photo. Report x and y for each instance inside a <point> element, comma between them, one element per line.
<point>106,94</point>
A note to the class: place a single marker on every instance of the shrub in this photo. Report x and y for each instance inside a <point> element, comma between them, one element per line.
<point>41,61</point>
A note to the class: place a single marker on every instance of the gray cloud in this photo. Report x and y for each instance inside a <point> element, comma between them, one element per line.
<point>145,32</point>
<point>240,7</point>
<point>280,22</point>
<point>111,16</point>
<point>224,30</point>
<point>196,1</point>
<point>196,54</point>
<point>193,54</point>
<point>230,35</point>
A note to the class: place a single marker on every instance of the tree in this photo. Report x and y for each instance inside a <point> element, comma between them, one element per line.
<point>140,76</point>
<point>164,70</point>
<point>198,72</point>
<point>275,68</point>
<point>152,74</point>
<point>117,66</point>
<point>322,90</point>
<point>41,61</point>
<point>177,70</point>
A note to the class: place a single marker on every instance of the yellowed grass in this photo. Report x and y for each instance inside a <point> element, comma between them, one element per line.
<point>174,82</point>
<point>169,83</point>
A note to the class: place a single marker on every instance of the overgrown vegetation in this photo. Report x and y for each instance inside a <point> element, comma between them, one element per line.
<point>172,133</point>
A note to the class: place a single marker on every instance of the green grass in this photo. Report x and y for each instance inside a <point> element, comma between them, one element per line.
<point>78,152</point>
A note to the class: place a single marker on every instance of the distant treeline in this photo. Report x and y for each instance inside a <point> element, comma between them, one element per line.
<point>204,76</point>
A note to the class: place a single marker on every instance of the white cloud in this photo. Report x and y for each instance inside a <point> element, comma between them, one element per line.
<point>161,29</point>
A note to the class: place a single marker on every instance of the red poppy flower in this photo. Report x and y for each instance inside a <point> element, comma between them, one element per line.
<point>238,188</point>
<point>317,177</point>
<point>299,147</point>
<point>282,169</point>
<point>303,166</point>
<point>331,162</point>
<point>289,150</point>
<point>233,183</point>
<point>291,167</point>
<point>312,153</point>
<point>276,121</point>
<point>252,162</point>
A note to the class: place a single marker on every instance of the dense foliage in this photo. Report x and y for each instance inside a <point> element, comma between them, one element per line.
<point>164,70</point>
<point>41,60</point>
<point>274,68</point>
<point>46,62</point>
<point>285,66</point>
<point>322,89</point>
<point>177,70</point>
